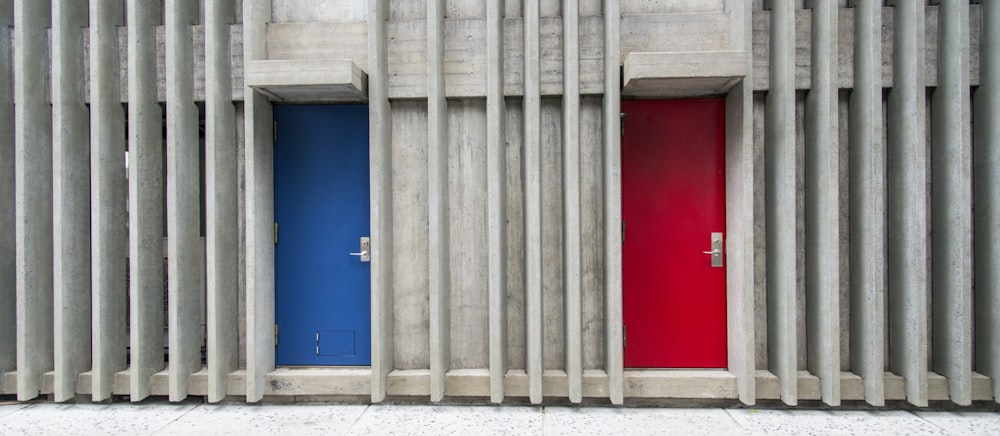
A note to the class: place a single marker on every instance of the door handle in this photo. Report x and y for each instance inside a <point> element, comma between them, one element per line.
<point>716,252</point>
<point>364,255</point>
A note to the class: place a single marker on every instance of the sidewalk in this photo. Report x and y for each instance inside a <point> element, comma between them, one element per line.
<point>162,418</point>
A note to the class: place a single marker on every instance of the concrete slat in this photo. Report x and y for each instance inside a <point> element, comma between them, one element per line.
<point>867,204</point>
<point>33,196</point>
<point>533,204</point>
<point>614,349</point>
<point>571,187</point>
<point>221,236</point>
<point>496,210</point>
<point>8,313</point>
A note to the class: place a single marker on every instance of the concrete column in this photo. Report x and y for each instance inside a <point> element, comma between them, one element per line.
<point>951,207</point>
<point>259,182</point>
<point>780,185</point>
<point>496,199</point>
<point>145,201</point>
<point>8,314</point>
<point>221,236</point>
<point>71,199</point>
<point>907,203</point>
<point>33,195</point>
<point>614,355</point>
<point>437,197</point>
<point>867,203</point>
<point>109,231</point>
<point>987,199</point>
<point>532,203</point>
<point>183,201</point>
<point>572,248</point>
<point>822,172</point>
<point>740,164</point>
<point>380,144</point>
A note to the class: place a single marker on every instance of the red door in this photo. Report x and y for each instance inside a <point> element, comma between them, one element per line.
<point>673,201</point>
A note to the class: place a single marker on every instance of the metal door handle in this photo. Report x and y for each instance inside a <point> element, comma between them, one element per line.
<point>716,252</point>
<point>364,255</point>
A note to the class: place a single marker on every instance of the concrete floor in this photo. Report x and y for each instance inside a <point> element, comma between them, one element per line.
<point>162,418</point>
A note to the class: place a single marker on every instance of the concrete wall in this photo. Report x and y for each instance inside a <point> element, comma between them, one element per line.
<point>852,136</point>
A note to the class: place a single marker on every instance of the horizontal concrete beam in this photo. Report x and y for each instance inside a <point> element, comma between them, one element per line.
<point>682,74</point>
<point>308,81</point>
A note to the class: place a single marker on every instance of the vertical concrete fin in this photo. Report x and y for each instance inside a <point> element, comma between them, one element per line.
<point>184,247</point>
<point>145,201</point>
<point>8,313</point>
<point>572,249</point>
<point>259,181</point>
<point>496,202</point>
<point>987,206</point>
<point>867,203</point>
<point>437,181</point>
<point>907,203</point>
<point>109,196</point>
<point>740,164</point>
<point>221,236</point>
<point>70,199</point>
<point>33,195</point>
<point>951,208</point>
<point>532,203</point>
<point>614,355</point>
<point>822,208</point>
<point>780,185</point>
<point>380,152</point>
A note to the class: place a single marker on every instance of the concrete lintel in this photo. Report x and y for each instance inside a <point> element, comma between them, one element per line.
<point>683,74</point>
<point>308,81</point>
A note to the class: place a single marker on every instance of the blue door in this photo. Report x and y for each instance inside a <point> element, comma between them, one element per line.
<point>321,206</point>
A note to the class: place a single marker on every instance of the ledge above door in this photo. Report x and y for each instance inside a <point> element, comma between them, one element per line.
<point>309,81</point>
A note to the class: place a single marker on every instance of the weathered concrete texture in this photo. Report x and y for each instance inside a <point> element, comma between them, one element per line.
<point>781,188</point>
<point>221,202</point>
<point>109,196</point>
<point>514,204</point>
<point>534,280</point>
<point>822,165</point>
<point>572,262</point>
<point>71,200</point>
<point>552,234</point>
<point>951,204</point>
<point>439,246</point>
<point>312,10</point>
<point>259,158</point>
<point>467,217</point>
<point>33,196</point>
<point>496,201</point>
<point>845,64</point>
<point>410,220</point>
<point>184,300</point>
<point>145,201</point>
<point>986,169</point>
<point>380,145</point>
<point>867,205</point>
<point>907,205</point>
<point>592,230</point>
<point>8,316</point>
<point>611,121</point>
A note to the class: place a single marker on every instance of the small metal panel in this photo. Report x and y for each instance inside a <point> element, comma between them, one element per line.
<point>716,252</point>
<point>365,254</point>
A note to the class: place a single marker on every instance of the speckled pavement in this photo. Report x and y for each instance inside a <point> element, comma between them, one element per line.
<point>194,418</point>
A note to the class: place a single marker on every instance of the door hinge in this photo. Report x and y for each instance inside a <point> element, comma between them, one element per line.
<point>276,233</point>
<point>275,335</point>
<point>274,132</point>
<point>622,124</point>
<point>624,336</point>
<point>623,232</point>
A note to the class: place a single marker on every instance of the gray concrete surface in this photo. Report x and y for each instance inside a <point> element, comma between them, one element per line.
<point>162,418</point>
